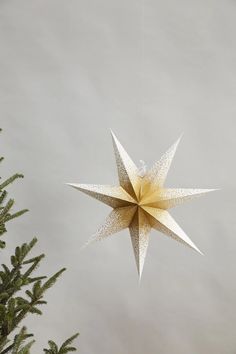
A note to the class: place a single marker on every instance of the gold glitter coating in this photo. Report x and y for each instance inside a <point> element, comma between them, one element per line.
<point>141,202</point>
<point>117,220</point>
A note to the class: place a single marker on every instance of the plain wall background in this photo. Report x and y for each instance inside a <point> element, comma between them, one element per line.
<point>150,70</point>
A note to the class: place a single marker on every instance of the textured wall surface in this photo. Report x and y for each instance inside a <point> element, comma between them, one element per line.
<point>150,70</point>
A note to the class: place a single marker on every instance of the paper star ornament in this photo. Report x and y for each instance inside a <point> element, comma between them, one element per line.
<point>141,202</point>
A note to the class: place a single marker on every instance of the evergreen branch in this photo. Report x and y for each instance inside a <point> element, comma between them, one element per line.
<point>65,348</point>
<point>19,274</point>
<point>6,209</point>
<point>33,267</point>
<point>36,295</point>
<point>16,346</point>
<point>26,348</point>
<point>5,214</point>
<point>12,280</point>
<point>69,341</point>
<point>10,180</point>
<point>51,281</point>
<point>17,214</point>
<point>3,196</point>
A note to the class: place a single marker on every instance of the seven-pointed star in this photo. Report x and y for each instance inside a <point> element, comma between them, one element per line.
<point>141,202</point>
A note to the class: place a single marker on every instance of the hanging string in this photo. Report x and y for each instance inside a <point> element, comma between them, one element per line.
<point>142,169</point>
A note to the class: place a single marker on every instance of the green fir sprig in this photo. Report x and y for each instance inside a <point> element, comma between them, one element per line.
<point>15,305</point>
